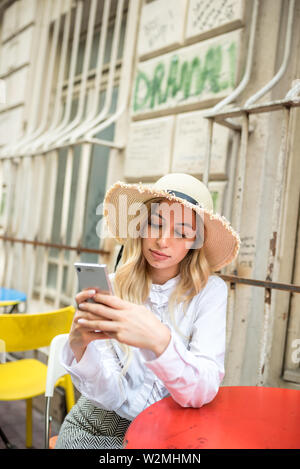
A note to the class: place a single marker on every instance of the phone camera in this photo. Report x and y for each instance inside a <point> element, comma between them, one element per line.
<point>78,269</point>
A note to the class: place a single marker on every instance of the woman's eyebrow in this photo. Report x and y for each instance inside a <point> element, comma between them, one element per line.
<point>158,215</point>
<point>185,224</point>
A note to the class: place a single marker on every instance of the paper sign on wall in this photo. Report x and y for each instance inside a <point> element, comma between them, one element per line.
<point>149,148</point>
<point>206,15</point>
<point>190,143</point>
<point>162,26</point>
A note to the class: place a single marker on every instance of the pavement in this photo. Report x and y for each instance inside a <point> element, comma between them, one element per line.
<point>13,424</point>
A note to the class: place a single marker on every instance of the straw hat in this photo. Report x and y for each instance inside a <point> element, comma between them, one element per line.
<point>221,243</point>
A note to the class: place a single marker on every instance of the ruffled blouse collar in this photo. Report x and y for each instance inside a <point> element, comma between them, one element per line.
<point>159,294</point>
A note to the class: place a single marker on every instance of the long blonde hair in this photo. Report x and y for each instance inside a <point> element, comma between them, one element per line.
<point>132,281</point>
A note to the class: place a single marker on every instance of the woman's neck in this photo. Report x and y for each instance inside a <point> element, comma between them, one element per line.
<point>161,276</point>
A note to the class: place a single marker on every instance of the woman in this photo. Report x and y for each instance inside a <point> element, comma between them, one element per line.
<point>163,331</point>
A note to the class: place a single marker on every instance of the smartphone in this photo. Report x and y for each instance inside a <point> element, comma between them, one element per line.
<point>93,276</point>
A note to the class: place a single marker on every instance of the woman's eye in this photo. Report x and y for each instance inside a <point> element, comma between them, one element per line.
<point>179,235</point>
<point>187,235</point>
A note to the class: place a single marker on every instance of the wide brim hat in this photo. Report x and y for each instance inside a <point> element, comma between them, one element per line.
<point>221,242</point>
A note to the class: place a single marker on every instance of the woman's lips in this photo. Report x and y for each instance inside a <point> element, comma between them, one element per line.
<point>158,256</point>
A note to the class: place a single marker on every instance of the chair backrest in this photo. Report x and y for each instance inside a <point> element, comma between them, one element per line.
<point>55,370</point>
<point>29,331</point>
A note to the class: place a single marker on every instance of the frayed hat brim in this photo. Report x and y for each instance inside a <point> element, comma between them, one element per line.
<point>222,242</point>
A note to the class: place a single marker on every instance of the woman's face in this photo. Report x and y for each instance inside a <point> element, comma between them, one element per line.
<point>168,237</point>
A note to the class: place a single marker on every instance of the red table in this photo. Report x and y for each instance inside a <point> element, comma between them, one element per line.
<point>239,417</point>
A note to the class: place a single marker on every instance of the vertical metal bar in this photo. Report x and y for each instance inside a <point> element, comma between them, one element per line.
<point>228,214</point>
<point>208,150</point>
<point>64,222</point>
<point>2,163</point>
<point>3,202</point>
<point>18,195</point>
<point>11,177</point>
<point>25,216</point>
<point>70,88</point>
<point>273,265</point>
<point>60,80</point>
<point>113,61</point>
<point>37,199</point>
<point>101,54</point>
<point>49,78</point>
<point>236,140</point>
<point>240,183</point>
<point>12,174</point>
<point>82,93</point>
<point>236,220</point>
<point>17,224</point>
<point>28,213</point>
<point>92,116</point>
<point>49,210</point>
<point>5,175</point>
<point>125,81</point>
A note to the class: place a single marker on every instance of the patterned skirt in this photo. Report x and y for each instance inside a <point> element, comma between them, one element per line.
<point>89,427</point>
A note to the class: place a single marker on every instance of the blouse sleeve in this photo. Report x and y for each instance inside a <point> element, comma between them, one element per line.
<point>193,376</point>
<point>97,375</point>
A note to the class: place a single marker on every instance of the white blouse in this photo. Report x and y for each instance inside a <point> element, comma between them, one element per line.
<point>190,369</point>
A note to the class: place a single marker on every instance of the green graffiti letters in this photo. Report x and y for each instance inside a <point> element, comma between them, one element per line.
<point>181,80</point>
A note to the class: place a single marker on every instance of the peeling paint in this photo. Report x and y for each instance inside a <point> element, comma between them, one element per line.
<point>273,243</point>
<point>268,296</point>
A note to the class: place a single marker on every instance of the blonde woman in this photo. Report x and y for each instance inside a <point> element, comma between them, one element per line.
<point>163,331</point>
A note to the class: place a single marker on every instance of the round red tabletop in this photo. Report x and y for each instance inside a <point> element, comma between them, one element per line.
<point>239,417</point>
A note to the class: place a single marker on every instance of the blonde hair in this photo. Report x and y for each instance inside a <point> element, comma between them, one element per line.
<point>132,281</point>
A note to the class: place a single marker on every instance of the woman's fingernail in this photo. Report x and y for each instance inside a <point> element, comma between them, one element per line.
<point>81,321</point>
<point>91,292</point>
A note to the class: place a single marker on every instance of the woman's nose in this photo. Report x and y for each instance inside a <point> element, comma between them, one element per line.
<point>163,239</point>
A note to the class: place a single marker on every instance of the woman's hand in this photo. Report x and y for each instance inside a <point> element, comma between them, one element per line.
<point>80,336</point>
<point>124,321</point>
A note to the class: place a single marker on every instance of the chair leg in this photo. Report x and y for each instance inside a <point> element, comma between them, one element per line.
<point>66,383</point>
<point>28,423</point>
<point>47,422</point>
<point>70,395</point>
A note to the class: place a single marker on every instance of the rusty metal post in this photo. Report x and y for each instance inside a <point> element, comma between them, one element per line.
<point>273,264</point>
<point>208,150</point>
<point>236,217</point>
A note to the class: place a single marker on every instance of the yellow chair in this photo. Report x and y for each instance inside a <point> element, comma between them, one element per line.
<point>26,378</point>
